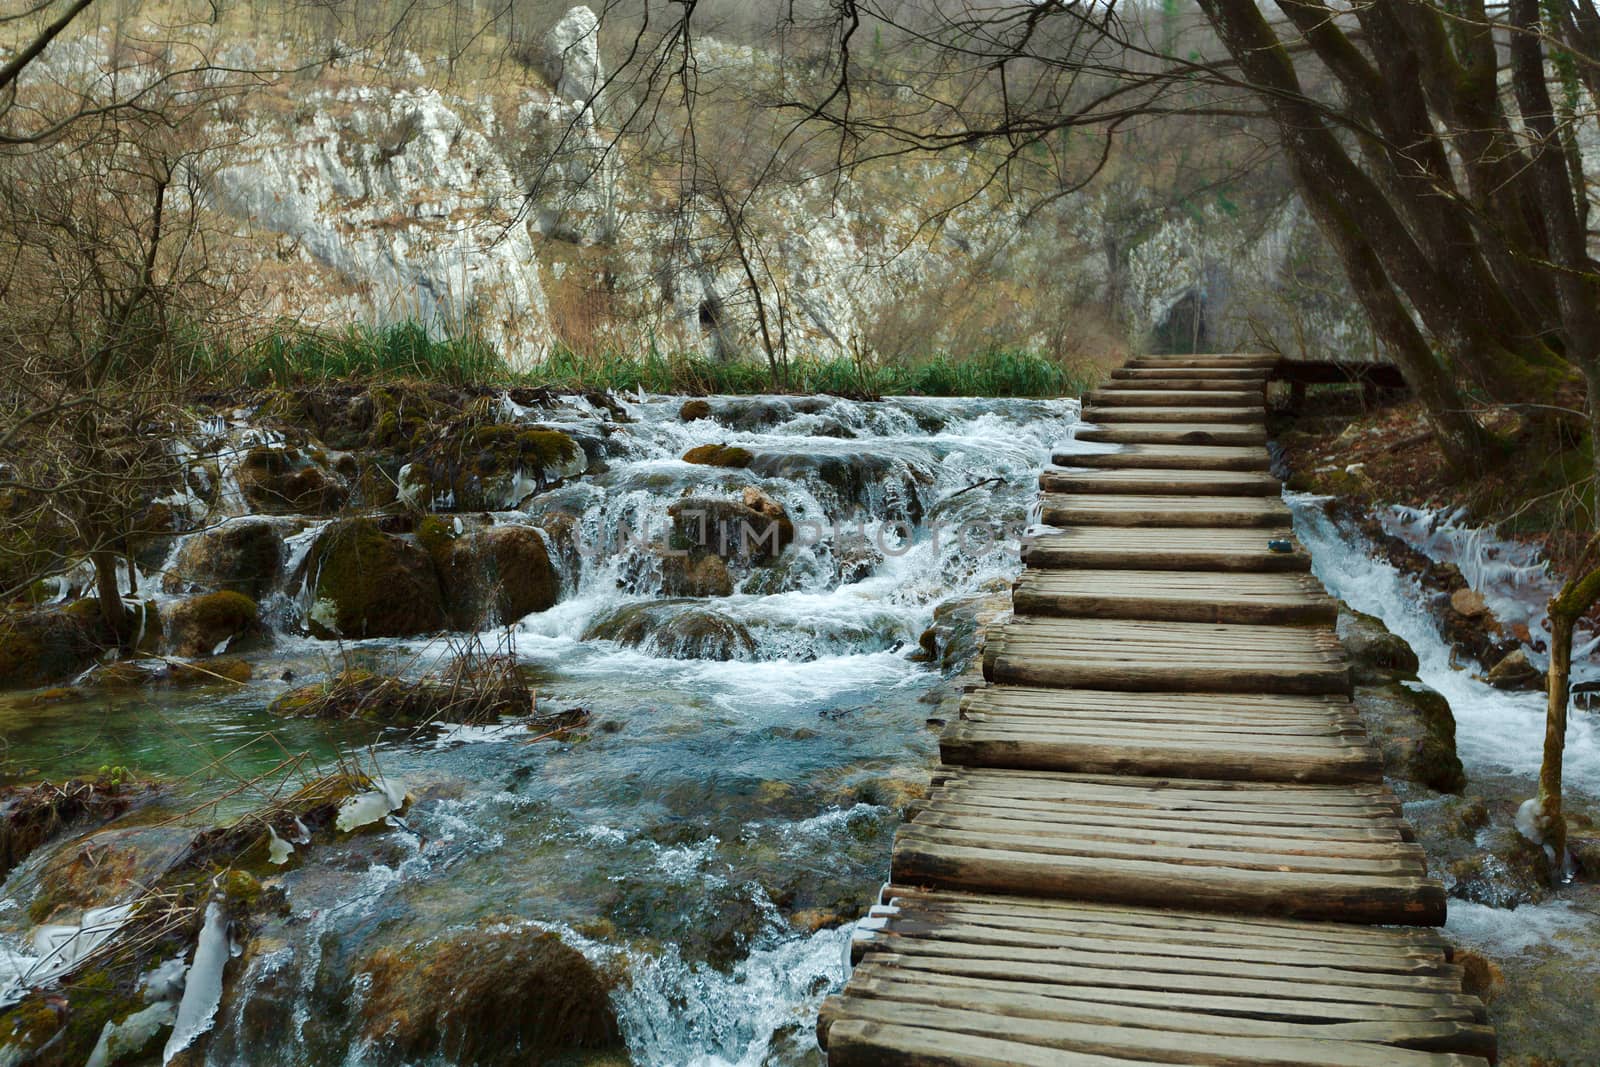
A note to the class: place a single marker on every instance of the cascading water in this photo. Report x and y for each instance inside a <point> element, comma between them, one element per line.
<point>728,808</point>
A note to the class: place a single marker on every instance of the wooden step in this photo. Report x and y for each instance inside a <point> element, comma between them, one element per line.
<point>1035,833</point>
<point>1109,416</point>
<point>941,978</point>
<point>1210,374</point>
<point>1170,481</point>
<point>1297,739</point>
<point>1167,549</point>
<point>1171,457</point>
<point>1174,433</point>
<point>1154,509</point>
<point>1235,361</point>
<point>1165,656</point>
<point>1170,398</point>
<point>1176,596</point>
<point>1177,381</point>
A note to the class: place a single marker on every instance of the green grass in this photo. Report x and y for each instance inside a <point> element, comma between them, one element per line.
<point>997,372</point>
<point>291,357</point>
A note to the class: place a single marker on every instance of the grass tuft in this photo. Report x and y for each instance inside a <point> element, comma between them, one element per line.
<point>293,356</point>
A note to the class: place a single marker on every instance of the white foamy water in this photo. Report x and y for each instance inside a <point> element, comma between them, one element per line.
<point>1495,730</point>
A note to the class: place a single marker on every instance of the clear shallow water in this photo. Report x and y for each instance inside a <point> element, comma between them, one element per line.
<point>712,801</point>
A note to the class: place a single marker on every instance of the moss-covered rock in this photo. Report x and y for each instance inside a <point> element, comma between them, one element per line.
<point>1376,655</point>
<point>366,583</point>
<point>755,529</point>
<point>694,409</point>
<point>497,576</point>
<point>493,468</point>
<point>677,629</point>
<point>200,625</point>
<point>702,576</point>
<point>287,481</point>
<point>1415,732</point>
<point>719,456</point>
<point>41,647</point>
<point>236,557</point>
<point>501,995</point>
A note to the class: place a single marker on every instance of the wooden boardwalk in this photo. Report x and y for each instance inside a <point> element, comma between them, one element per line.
<point>1159,833</point>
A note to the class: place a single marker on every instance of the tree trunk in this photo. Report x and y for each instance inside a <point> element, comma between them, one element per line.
<point>1566,608</point>
<point>110,595</point>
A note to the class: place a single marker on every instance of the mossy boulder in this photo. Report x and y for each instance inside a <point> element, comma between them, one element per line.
<point>41,647</point>
<point>1415,732</point>
<point>289,481</point>
<point>495,467</point>
<point>236,557</point>
<point>201,625</point>
<point>719,456</point>
<point>676,629</point>
<point>501,995</point>
<point>705,576</point>
<point>694,409</point>
<point>497,576</point>
<point>755,528</point>
<point>1376,655</point>
<point>366,583</point>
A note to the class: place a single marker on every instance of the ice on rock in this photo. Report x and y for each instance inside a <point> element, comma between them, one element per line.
<point>365,809</point>
<point>202,990</point>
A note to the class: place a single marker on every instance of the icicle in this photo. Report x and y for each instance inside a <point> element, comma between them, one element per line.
<point>202,991</point>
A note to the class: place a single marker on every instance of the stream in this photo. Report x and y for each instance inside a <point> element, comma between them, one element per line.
<point>723,819</point>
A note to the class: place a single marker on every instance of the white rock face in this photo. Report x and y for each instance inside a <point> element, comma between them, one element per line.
<point>571,59</point>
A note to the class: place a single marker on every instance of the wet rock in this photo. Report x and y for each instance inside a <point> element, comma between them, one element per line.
<point>496,576</point>
<point>1504,870</point>
<point>718,456</point>
<point>366,583</point>
<point>730,529</point>
<point>677,629</point>
<point>493,468</point>
<point>1514,671</point>
<point>1415,732</point>
<point>694,409</point>
<point>237,557</point>
<point>955,639</point>
<point>202,625</point>
<point>111,866</point>
<point>30,815</point>
<point>1468,603</point>
<point>707,576</point>
<point>286,481</point>
<point>41,647</point>
<point>502,995</point>
<point>1376,655</point>
<point>884,485</point>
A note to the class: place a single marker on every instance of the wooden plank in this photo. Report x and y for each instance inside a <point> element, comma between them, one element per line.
<point>1161,509</point>
<point>1171,457</point>
<point>1178,380</point>
<point>1132,373</point>
<point>1176,433</point>
<point>1183,596</point>
<point>1366,898</point>
<point>1424,1034</point>
<point>1230,549</point>
<point>1232,361</point>
<point>1175,923</point>
<point>1158,480</point>
<point>881,967</point>
<point>979,746</point>
<point>1174,398</point>
<point>1108,415</point>
<point>937,1025</point>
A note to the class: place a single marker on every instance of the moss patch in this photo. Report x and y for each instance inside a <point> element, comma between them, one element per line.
<point>719,456</point>
<point>198,625</point>
<point>369,584</point>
